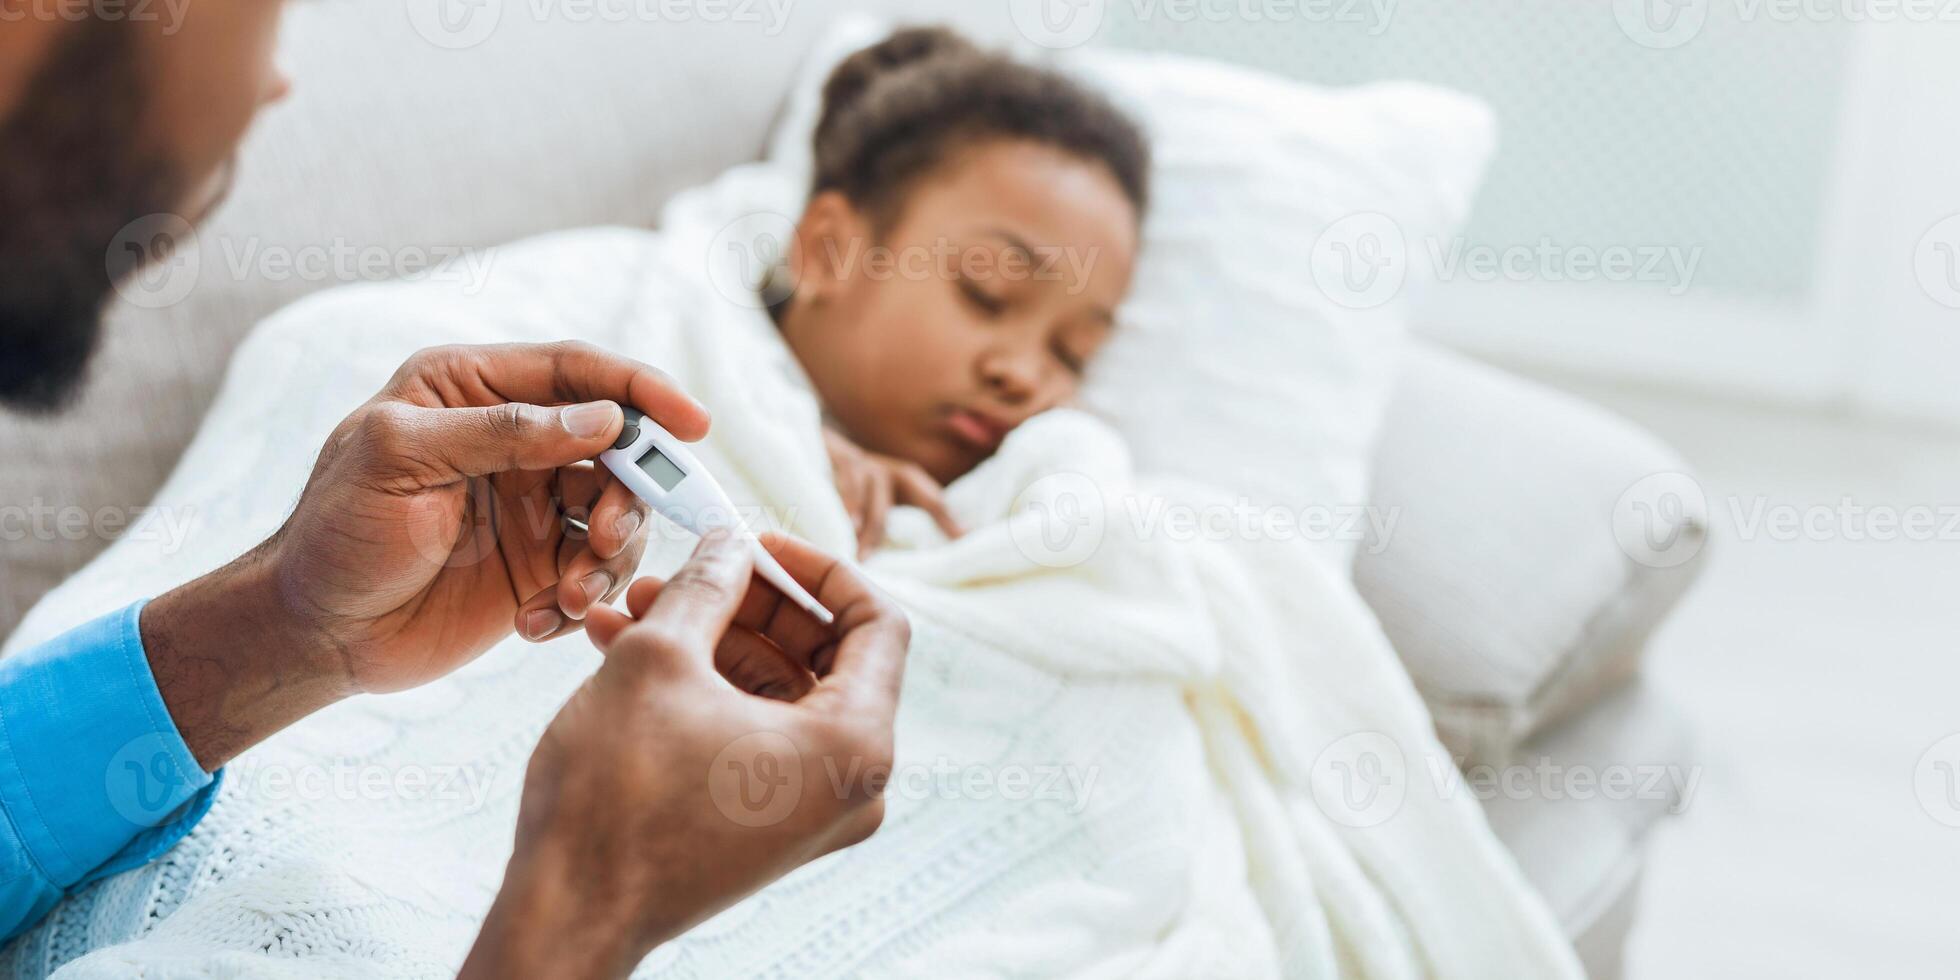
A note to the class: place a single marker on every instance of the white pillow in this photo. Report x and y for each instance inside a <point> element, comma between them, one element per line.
<point>1290,232</point>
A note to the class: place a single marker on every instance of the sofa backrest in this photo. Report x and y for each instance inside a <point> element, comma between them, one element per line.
<point>407,138</point>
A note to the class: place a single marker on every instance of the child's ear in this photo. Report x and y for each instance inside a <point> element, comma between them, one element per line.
<point>830,241</point>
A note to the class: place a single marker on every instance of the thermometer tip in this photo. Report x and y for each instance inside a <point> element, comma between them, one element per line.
<point>773,572</point>
<point>823,615</point>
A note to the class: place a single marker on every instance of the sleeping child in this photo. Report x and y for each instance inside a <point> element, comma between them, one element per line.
<point>972,227</point>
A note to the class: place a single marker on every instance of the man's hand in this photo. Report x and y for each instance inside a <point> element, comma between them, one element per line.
<point>663,793</point>
<point>872,484</point>
<point>433,523</point>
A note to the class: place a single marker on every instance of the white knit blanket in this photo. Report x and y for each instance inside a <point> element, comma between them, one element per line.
<point>1121,753</point>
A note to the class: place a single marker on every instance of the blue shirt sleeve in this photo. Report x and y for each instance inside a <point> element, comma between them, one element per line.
<point>94,777</point>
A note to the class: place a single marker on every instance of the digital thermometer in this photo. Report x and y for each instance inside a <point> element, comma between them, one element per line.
<point>660,470</point>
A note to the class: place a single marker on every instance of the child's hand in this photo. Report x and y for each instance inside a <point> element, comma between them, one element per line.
<point>871,484</point>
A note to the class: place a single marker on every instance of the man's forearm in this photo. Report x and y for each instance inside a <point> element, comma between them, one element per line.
<point>233,662</point>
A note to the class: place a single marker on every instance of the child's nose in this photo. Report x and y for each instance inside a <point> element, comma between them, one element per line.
<point>1012,373</point>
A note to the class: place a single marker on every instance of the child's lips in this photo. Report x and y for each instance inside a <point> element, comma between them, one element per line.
<point>976,430</point>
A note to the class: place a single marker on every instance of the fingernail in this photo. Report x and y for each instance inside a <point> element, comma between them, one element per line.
<point>717,539</point>
<point>596,585</point>
<point>588,421</point>
<point>540,623</point>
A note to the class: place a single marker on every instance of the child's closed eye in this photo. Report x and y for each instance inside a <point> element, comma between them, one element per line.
<point>987,303</point>
<point>1075,362</point>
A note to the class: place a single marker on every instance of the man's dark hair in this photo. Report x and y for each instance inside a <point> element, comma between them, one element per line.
<point>898,109</point>
<point>74,170</point>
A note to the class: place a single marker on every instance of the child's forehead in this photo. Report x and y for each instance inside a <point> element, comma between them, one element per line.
<point>1015,183</point>
<point>1026,197</point>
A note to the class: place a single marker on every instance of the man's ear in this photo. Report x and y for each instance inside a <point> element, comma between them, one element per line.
<point>830,242</point>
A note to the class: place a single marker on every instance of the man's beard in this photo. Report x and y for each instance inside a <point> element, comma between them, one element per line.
<point>74,170</point>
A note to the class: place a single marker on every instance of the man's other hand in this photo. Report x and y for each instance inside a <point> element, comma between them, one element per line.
<point>701,761</point>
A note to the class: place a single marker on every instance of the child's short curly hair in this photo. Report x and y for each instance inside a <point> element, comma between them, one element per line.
<point>896,110</point>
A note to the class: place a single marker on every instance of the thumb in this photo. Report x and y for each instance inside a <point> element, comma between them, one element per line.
<point>515,436</point>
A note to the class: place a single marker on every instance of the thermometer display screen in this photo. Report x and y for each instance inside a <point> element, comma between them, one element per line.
<point>662,469</point>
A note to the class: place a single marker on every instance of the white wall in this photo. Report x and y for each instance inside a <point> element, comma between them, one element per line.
<point>1901,187</point>
<point>1794,156</point>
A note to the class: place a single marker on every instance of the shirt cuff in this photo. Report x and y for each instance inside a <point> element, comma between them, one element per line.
<point>93,773</point>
